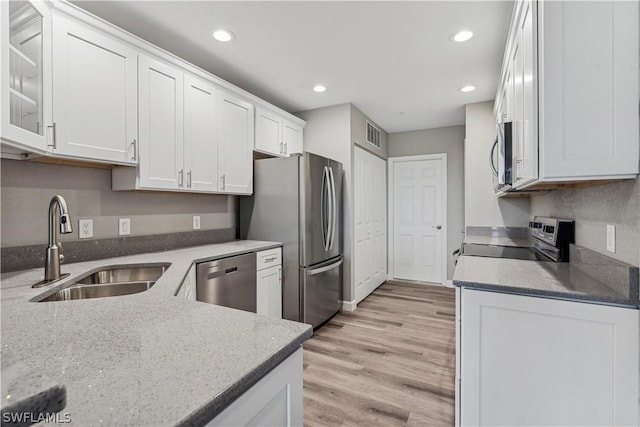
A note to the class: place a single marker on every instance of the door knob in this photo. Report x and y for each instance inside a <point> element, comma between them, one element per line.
<point>437,227</point>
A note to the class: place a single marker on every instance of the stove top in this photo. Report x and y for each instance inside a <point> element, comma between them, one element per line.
<point>551,238</point>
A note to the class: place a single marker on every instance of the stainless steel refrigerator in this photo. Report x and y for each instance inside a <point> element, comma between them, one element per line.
<point>298,201</point>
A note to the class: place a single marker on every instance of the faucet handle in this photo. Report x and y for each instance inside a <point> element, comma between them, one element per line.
<point>60,255</point>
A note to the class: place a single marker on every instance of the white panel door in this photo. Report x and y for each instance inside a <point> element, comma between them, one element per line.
<point>291,138</point>
<point>161,125</point>
<point>200,135</point>
<point>94,94</point>
<point>417,220</point>
<point>269,292</point>
<point>529,361</point>
<point>235,161</point>
<point>268,129</point>
<point>370,219</point>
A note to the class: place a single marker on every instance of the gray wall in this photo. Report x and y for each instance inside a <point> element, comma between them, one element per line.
<point>481,206</point>
<point>359,134</point>
<point>327,133</point>
<point>27,188</point>
<point>593,208</point>
<point>449,140</point>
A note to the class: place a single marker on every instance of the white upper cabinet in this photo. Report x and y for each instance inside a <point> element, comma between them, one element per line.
<point>95,103</point>
<point>201,134</point>
<point>25,71</point>
<point>291,137</point>
<point>569,85</point>
<point>161,125</point>
<point>276,134</point>
<point>268,132</point>
<point>235,149</point>
<point>589,89</point>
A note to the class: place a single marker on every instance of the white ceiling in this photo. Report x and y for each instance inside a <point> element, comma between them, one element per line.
<point>385,57</point>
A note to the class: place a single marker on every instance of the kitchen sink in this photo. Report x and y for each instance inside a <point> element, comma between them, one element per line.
<point>110,281</point>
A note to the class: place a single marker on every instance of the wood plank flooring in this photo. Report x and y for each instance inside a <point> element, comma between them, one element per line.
<point>389,363</point>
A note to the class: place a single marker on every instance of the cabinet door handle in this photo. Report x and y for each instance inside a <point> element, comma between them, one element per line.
<point>189,179</point>
<point>54,138</point>
<point>281,150</point>
<point>135,150</point>
<point>285,148</point>
<point>223,178</point>
<point>180,177</point>
<point>273,258</point>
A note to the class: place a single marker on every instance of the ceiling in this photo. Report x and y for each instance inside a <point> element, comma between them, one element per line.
<point>393,60</point>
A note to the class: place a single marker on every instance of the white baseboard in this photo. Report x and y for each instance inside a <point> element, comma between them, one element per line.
<point>449,284</point>
<point>349,305</point>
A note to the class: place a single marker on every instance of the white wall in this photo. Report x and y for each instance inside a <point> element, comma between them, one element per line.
<point>449,140</point>
<point>328,134</point>
<point>482,207</point>
<point>27,188</point>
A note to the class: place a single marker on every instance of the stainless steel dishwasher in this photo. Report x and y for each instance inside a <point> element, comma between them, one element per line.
<point>230,282</point>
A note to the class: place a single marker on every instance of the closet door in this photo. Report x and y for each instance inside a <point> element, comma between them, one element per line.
<point>370,219</point>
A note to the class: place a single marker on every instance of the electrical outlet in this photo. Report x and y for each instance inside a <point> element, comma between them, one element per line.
<point>611,238</point>
<point>124,226</point>
<point>196,222</point>
<point>85,228</point>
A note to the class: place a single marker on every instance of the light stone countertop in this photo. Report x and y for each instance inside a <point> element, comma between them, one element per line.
<point>149,358</point>
<point>536,278</point>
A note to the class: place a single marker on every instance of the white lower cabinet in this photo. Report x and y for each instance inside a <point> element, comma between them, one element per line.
<point>269,283</point>
<point>275,400</point>
<point>534,361</point>
<point>187,289</point>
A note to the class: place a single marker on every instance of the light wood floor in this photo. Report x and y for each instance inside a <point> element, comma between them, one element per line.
<point>389,363</point>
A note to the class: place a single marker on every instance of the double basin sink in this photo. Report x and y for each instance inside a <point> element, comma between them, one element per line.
<point>109,281</point>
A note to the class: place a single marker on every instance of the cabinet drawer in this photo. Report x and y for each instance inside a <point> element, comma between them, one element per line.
<point>268,258</point>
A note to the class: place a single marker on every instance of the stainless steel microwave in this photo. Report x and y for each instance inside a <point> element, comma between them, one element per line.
<point>501,162</point>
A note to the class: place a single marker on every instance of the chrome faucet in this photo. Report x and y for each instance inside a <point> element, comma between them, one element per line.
<point>58,217</point>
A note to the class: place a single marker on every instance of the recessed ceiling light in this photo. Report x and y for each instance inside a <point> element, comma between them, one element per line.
<point>319,88</point>
<point>468,88</point>
<point>223,35</point>
<point>462,36</point>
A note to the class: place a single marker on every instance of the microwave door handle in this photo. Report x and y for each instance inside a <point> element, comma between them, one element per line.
<point>491,154</point>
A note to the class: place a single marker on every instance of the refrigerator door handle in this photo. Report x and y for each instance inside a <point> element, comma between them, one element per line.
<point>325,268</point>
<point>325,219</point>
<point>334,207</point>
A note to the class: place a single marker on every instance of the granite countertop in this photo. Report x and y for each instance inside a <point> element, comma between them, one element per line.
<point>25,390</point>
<point>149,358</point>
<point>539,278</point>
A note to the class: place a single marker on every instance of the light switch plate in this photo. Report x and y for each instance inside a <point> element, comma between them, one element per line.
<point>124,226</point>
<point>611,238</point>
<point>85,228</point>
<point>196,222</point>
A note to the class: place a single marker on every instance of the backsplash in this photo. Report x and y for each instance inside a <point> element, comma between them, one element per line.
<point>593,208</point>
<point>27,188</point>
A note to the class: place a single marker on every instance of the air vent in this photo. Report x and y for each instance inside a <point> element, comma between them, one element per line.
<point>373,135</point>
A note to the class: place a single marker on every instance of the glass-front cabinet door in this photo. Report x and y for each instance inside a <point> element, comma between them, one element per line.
<point>26,72</point>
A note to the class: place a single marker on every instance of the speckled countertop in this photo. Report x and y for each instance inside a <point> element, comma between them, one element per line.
<point>150,358</point>
<point>539,278</point>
